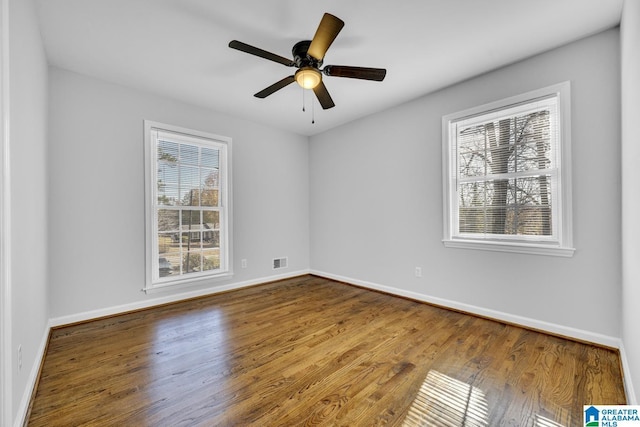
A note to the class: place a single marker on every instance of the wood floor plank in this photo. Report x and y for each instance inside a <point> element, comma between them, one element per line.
<point>312,351</point>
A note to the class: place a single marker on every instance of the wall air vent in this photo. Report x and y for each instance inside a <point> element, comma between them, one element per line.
<point>279,263</point>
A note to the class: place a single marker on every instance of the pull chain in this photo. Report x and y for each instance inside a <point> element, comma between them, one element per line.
<point>313,109</point>
<point>303,110</point>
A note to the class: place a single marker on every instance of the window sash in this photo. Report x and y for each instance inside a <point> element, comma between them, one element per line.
<point>517,215</point>
<point>498,214</point>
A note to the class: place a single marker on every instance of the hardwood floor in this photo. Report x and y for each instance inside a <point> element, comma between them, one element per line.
<point>311,351</point>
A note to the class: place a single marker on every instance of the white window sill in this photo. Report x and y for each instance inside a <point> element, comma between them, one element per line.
<point>186,282</point>
<point>522,248</point>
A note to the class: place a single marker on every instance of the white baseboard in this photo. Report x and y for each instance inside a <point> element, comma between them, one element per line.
<point>540,325</point>
<point>32,380</point>
<point>140,305</point>
<point>626,371</point>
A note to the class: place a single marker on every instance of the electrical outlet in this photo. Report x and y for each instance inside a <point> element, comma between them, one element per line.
<point>20,357</point>
<point>418,271</point>
<point>243,263</point>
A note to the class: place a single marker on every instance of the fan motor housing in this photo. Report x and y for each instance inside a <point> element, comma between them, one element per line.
<point>300,56</point>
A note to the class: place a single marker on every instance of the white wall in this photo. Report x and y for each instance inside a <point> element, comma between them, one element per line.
<point>96,208</point>
<point>630,40</point>
<point>28,196</point>
<point>376,201</point>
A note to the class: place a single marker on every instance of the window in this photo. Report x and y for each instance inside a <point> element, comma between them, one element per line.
<point>507,175</point>
<point>188,205</point>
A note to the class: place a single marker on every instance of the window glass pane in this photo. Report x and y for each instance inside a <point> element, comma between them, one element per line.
<point>189,176</point>
<point>533,142</point>
<point>189,154</point>
<point>531,214</point>
<point>472,194</point>
<point>210,197</point>
<point>210,178</point>
<point>472,156</point>
<point>486,149</point>
<point>529,220</point>
<point>168,242</point>
<point>189,185</point>
<point>190,239</point>
<point>211,239</point>
<point>210,158</point>
<point>191,220</point>
<point>192,261</point>
<point>208,238</point>
<point>168,220</point>
<point>167,174</point>
<point>167,152</point>
<point>211,260</point>
<point>472,220</point>
<point>169,264</point>
<point>168,196</point>
<point>515,144</point>
<point>474,215</point>
<point>189,197</point>
<point>211,219</point>
<point>471,212</point>
<point>209,188</point>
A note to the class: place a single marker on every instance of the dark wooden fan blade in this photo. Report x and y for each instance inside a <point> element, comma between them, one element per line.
<point>364,73</point>
<point>326,33</point>
<point>235,44</point>
<point>323,96</point>
<point>275,87</point>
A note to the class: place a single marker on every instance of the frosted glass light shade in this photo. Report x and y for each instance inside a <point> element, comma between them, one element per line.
<point>308,77</point>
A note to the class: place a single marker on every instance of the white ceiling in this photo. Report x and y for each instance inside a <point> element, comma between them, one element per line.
<point>179,48</point>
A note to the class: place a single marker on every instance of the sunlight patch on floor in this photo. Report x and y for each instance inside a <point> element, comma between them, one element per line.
<point>546,422</point>
<point>445,401</point>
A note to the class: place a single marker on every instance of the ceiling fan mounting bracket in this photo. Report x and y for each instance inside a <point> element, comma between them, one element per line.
<point>302,58</point>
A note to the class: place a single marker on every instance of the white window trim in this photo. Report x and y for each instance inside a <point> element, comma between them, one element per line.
<point>226,226</point>
<point>564,245</point>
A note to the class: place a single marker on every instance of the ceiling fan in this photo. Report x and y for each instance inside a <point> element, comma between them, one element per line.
<point>307,57</point>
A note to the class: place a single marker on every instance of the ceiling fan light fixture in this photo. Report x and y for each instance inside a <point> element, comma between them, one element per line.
<point>308,77</point>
